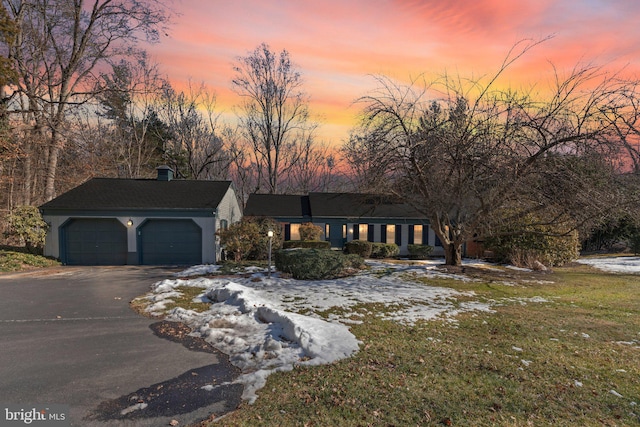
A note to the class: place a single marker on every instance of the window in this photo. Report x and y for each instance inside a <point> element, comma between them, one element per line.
<point>294,232</point>
<point>224,224</point>
<point>327,236</point>
<point>344,231</point>
<point>363,231</point>
<point>417,235</point>
<point>391,233</point>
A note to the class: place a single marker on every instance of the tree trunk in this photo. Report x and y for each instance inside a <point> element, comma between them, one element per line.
<point>51,169</point>
<point>453,253</point>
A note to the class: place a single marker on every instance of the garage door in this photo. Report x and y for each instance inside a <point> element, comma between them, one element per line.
<point>170,242</point>
<point>94,241</point>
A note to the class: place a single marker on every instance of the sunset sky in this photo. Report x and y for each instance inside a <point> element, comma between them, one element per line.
<point>338,44</point>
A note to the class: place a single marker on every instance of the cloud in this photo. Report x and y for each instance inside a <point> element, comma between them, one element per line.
<point>337,43</point>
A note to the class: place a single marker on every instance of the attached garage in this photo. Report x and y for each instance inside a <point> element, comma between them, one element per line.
<point>94,241</point>
<point>162,221</point>
<point>170,241</point>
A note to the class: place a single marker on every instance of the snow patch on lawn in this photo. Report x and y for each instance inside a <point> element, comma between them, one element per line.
<point>269,325</point>
<point>614,264</point>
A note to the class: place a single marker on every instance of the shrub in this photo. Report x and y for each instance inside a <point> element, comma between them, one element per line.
<point>310,244</point>
<point>309,231</point>
<point>384,250</point>
<point>354,261</point>
<point>525,248</point>
<point>27,224</point>
<point>359,247</point>
<point>419,251</point>
<point>248,240</point>
<point>634,243</point>
<point>314,264</point>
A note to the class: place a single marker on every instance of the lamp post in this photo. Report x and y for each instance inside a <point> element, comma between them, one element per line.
<point>270,235</point>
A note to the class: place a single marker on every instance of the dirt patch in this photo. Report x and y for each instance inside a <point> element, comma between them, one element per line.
<point>180,333</point>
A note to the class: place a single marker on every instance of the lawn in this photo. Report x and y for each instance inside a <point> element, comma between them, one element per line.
<point>560,348</point>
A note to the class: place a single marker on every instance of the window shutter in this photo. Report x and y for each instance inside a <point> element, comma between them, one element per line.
<point>411,234</point>
<point>287,232</point>
<point>370,234</point>
<point>356,232</point>
<point>383,233</point>
<point>398,234</point>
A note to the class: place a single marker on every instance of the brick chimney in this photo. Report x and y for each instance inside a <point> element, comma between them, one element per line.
<point>165,173</point>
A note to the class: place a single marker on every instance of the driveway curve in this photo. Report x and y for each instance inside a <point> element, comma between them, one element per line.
<point>68,336</point>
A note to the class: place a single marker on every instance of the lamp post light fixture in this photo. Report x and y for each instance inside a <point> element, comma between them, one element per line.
<point>270,235</point>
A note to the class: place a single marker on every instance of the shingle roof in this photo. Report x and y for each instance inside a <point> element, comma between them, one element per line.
<point>277,205</point>
<point>358,205</point>
<point>118,194</point>
<point>338,205</point>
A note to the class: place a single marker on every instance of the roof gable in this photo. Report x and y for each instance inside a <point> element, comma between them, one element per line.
<point>119,194</point>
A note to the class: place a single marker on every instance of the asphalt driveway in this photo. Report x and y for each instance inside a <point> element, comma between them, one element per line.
<point>68,336</point>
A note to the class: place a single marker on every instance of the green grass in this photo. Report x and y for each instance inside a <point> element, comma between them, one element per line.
<point>527,364</point>
<point>11,260</point>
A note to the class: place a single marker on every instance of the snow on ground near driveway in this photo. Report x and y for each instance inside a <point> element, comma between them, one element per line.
<point>256,320</point>
<point>614,264</point>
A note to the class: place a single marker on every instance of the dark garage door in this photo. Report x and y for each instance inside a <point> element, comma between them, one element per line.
<point>170,242</point>
<point>94,241</point>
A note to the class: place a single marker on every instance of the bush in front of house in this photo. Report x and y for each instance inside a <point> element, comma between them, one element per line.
<point>384,250</point>
<point>359,247</point>
<point>247,239</point>
<point>419,251</point>
<point>315,264</point>
<point>309,231</point>
<point>308,244</point>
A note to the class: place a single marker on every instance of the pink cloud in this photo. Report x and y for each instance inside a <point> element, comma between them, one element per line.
<point>337,43</point>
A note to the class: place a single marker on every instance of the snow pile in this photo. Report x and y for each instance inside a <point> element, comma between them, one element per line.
<point>614,264</point>
<point>257,321</point>
<point>199,270</point>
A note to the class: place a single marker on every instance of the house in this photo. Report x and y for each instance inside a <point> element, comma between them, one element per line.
<point>108,221</point>
<point>344,217</point>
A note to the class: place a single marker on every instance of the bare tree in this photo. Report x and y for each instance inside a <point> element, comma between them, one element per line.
<point>59,46</point>
<point>314,170</point>
<point>463,151</point>
<point>128,97</point>
<point>193,144</point>
<point>274,114</point>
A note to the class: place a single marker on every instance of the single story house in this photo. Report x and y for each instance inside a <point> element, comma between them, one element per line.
<point>109,221</point>
<point>344,217</point>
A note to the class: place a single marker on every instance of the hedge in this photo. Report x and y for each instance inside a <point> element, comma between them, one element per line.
<point>315,264</point>
<point>384,250</point>
<point>359,247</point>
<point>309,244</point>
<point>419,251</point>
